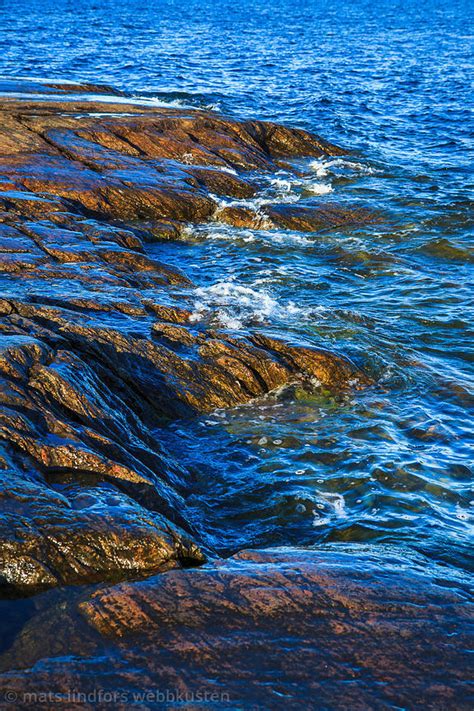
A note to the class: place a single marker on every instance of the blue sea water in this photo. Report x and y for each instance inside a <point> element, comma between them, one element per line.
<point>391,80</point>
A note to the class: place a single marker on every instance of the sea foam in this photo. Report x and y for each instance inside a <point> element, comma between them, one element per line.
<point>235,306</point>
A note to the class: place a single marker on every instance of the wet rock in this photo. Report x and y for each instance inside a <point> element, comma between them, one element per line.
<point>173,314</point>
<point>76,88</point>
<point>360,628</point>
<point>20,85</point>
<point>223,183</point>
<point>286,142</point>
<point>245,217</point>
<point>97,343</point>
<point>329,369</point>
<point>87,494</point>
<point>315,218</point>
<point>301,218</point>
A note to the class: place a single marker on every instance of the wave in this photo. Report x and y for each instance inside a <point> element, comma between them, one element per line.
<point>235,306</point>
<point>282,188</point>
<point>181,99</point>
<point>323,167</point>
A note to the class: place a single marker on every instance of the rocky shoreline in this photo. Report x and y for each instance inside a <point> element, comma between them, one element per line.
<point>97,349</point>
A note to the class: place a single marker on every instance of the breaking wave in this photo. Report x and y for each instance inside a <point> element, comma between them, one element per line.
<point>235,306</point>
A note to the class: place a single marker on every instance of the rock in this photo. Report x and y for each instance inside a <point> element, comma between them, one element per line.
<point>245,217</point>
<point>86,492</point>
<point>286,142</point>
<point>303,218</point>
<point>357,628</point>
<point>329,369</point>
<point>76,88</point>
<point>98,346</point>
<point>313,219</point>
<point>19,85</point>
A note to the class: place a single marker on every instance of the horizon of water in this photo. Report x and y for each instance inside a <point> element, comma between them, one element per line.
<point>391,465</point>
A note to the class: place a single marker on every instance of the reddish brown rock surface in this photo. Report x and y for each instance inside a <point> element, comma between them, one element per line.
<point>283,628</point>
<point>97,350</point>
<point>97,345</point>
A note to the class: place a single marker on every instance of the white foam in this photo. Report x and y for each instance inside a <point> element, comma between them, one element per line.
<point>318,188</point>
<point>284,188</point>
<point>254,203</point>
<point>235,305</point>
<point>281,184</point>
<point>319,167</point>
<point>321,520</point>
<point>289,188</point>
<point>337,502</point>
<point>323,167</point>
<point>287,238</point>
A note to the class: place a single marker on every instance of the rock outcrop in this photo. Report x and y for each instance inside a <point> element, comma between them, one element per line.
<point>282,628</point>
<point>97,351</point>
<point>97,346</point>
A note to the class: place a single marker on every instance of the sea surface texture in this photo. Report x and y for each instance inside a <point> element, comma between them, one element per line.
<point>390,465</point>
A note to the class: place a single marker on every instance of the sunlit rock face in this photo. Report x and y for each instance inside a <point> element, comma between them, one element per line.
<point>97,343</point>
<point>265,629</point>
<point>102,343</point>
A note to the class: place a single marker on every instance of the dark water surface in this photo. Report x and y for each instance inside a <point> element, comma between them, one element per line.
<point>393,464</point>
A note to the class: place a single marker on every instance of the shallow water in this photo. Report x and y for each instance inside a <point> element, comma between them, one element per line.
<point>392,464</point>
